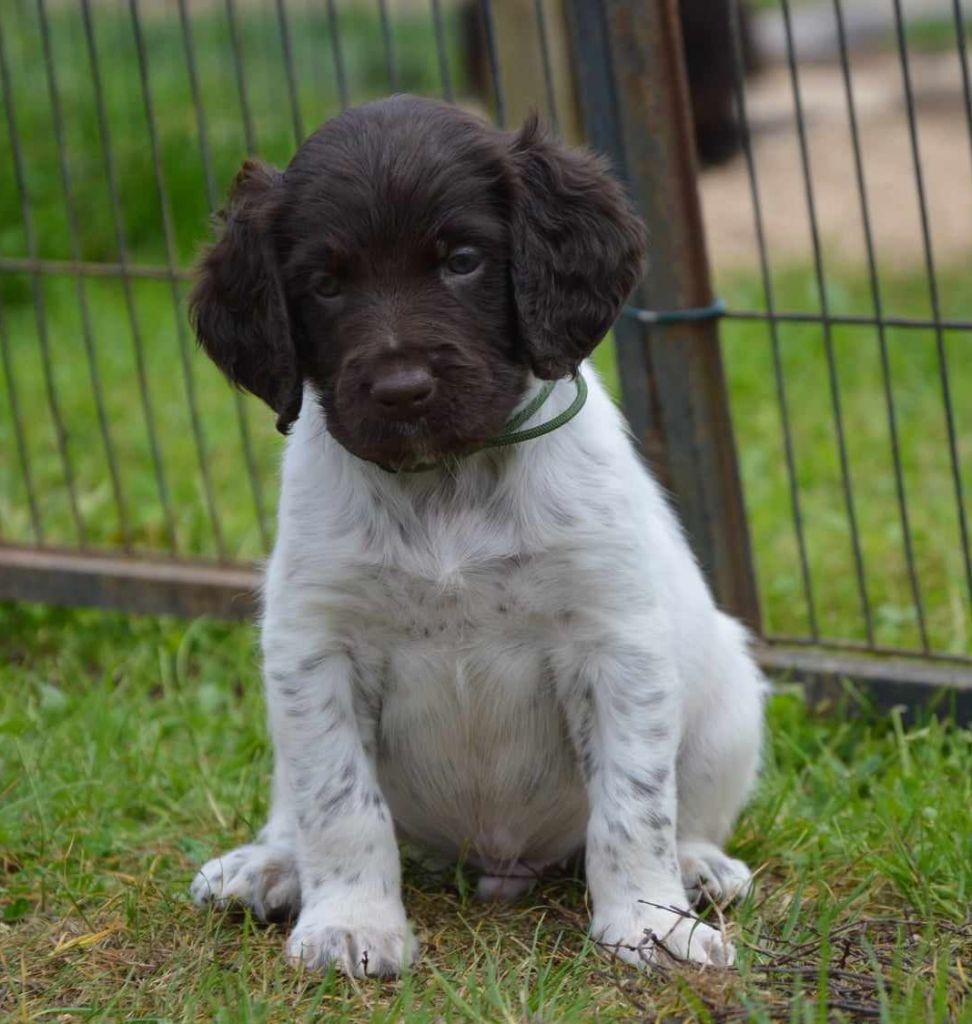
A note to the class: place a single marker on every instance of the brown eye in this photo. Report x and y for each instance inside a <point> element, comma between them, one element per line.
<point>464,260</point>
<point>328,286</point>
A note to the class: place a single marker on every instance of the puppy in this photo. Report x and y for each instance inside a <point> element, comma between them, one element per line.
<point>495,645</point>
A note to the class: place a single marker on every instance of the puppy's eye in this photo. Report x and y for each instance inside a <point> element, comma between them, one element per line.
<point>463,260</point>
<point>328,285</point>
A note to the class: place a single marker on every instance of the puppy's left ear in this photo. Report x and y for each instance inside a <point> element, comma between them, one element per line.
<point>578,250</point>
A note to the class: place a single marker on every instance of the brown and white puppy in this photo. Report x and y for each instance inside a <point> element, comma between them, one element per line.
<point>503,653</point>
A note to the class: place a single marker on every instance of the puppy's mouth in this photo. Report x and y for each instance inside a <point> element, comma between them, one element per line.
<point>407,446</point>
<point>462,418</point>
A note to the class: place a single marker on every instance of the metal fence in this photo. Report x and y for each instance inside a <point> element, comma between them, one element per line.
<point>131,476</point>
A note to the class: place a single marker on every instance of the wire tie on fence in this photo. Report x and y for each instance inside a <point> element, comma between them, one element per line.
<point>676,316</point>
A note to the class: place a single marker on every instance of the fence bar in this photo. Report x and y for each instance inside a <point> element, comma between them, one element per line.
<point>642,88</point>
<point>934,299</point>
<point>858,647</point>
<point>156,272</point>
<point>959,20</point>
<point>40,311</point>
<point>340,72</point>
<point>492,54</point>
<point>739,84</point>
<point>170,249</point>
<point>389,45</point>
<point>832,374</point>
<point>36,523</point>
<point>64,577</point>
<point>236,46</point>
<point>851,319</point>
<point>441,51</point>
<point>124,271</point>
<point>877,302</point>
<point>548,78</point>
<point>202,129</point>
<point>35,265</point>
<point>212,198</point>
<point>87,334</point>
<point>887,681</point>
<point>288,57</point>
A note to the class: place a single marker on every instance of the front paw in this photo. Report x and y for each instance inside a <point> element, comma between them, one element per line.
<point>368,940</point>
<point>647,935</point>
<point>260,876</point>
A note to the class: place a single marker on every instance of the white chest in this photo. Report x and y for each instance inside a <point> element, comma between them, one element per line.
<point>472,748</point>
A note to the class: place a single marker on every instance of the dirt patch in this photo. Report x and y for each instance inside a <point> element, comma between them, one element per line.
<point>946,159</point>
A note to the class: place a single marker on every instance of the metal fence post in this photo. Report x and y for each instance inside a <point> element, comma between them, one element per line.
<point>636,107</point>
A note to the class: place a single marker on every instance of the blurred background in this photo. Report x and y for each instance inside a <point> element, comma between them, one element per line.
<point>835,175</point>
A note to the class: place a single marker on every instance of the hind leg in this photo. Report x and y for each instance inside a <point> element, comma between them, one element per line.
<point>717,768</point>
<point>709,875</point>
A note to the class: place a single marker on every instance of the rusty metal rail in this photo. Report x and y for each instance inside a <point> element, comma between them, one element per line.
<point>143,585</point>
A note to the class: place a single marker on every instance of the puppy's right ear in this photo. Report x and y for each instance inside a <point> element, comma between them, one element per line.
<point>237,306</point>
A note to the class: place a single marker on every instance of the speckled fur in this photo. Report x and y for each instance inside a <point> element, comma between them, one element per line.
<point>507,660</point>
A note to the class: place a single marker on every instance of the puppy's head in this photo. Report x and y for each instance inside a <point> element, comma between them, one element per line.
<point>413,264</point>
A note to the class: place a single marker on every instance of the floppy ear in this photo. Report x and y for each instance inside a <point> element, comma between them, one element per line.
<point>578,250</point>
<point>237,306</point>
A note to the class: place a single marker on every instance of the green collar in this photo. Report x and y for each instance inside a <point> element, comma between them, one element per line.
<point>511,433</point>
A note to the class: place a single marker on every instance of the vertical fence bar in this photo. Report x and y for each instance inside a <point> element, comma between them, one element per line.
<point>340,72</point>
<point>832,375</point>
<point>36,523</point>
<point>87,333</point>
<point>492,55</point>
<point>548,78</point>
<point>933,295</point>
<point>634,76</point>
<point>212,200</point>
<point>877,303</point>
<point>40,311</point>
<point>388,42</point>
<point>202,127</point>
<point>958,18</point>
<point>118,221</point>
<point>742,114</point>
<point>170,251</point>
<point>288,56</point>
<point>441,51</point>
<point>249,134</point>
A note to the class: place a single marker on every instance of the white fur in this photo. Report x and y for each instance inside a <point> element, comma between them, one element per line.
<point>509,659</point>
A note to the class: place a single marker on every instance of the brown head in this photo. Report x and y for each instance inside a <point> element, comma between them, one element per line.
<point>413,264</point>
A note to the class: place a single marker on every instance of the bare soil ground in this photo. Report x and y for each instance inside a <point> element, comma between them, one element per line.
<point>946,164</point>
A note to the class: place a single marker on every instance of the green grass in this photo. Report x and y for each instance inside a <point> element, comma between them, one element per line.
<point>916,389</point>
<point>131,749</point>
<point>182,163</point>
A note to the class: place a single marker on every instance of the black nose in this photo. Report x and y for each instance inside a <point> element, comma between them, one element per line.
<point>403,392</point>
